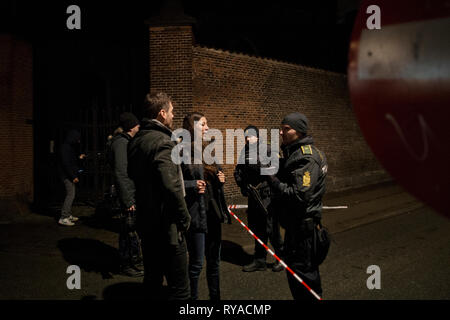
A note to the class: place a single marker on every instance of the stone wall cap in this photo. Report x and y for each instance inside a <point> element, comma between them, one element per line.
<point>317,70</point>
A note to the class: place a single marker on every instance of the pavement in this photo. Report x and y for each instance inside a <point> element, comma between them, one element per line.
<point>35,251</point>
<point>364,205</point>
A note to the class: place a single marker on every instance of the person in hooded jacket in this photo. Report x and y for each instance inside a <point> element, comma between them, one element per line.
<point>208,210</point>
<point>129,243</point>
<point>68,172</point>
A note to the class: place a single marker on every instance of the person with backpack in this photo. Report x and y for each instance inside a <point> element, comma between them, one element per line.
<point>129,243</point>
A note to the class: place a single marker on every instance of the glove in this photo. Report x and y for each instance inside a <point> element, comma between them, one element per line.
<point>273,181</point>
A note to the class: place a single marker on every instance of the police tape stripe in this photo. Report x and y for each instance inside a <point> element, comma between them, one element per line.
<point>244,206</point>
<point>273,254</point>
<point>239,206</point>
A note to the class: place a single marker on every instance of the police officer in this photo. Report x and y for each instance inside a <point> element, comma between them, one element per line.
<point>260,219</point>
<point>298,189</point>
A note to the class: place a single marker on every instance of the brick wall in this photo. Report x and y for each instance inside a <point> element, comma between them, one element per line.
<point>234,90</point>
<point>171,66</point>
<point>16,112</point>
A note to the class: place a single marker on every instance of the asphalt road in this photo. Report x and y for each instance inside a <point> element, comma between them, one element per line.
<point>412,251</point>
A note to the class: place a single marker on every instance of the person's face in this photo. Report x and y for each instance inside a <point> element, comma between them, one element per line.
<point>202,125</point>
<point>288,135</point>
<point>134,130</point>
<point>251,139</point>
<point>167,116</point>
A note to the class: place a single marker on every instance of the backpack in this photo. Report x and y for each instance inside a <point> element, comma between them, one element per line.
<point>109,155</point>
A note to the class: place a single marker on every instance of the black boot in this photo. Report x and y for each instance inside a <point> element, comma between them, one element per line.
<point>255,266</point>
<point>131,271</point>
<point>138,263</point>
<point>277,267</point>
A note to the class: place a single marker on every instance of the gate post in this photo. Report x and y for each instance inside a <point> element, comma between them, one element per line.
<point>171,45</point>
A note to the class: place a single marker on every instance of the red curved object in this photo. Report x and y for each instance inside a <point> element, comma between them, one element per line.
<point>399,79</point>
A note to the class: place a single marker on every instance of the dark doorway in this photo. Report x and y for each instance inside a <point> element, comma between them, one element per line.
<point>83,79</point>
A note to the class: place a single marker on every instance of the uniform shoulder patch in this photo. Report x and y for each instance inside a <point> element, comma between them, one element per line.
<point>306,149</point>
<point>306,179</point>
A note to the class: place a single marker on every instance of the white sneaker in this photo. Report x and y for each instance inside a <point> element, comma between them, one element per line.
<point>66,222</point>
<point>72,218</point>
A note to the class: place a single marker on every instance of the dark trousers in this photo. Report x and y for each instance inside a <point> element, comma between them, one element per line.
<point>129,243</point>
<point>311,277</point>
<point>265,228</point>
<point>199,245</point>
<point>162,259</point>
<point>299,258</point>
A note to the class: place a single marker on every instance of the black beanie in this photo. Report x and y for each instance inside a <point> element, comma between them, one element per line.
<point>296,121</point>
<point>249,133</point>
<point>128,121</point>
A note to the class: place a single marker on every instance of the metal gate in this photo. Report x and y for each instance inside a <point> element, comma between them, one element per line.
<point>96,177</point>
<point>83,83</point>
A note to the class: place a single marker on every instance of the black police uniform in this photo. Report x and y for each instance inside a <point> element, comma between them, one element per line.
<point>260,221</point>
<point>298,190</point>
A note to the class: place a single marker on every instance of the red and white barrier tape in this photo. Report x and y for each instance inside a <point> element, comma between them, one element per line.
<point>271,252</point>
<point>244,206</point>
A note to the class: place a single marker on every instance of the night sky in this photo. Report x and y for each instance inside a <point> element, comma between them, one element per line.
<point>85,78</point>
<point>312,33</point>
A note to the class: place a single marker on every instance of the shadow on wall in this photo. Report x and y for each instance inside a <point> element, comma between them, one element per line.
<point>91,256</point>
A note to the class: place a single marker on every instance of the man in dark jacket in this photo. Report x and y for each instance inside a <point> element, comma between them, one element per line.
<point>129,246</point>
<point>68,172</point>
<point>260,218</point>
<point>162,215</point>
<point>298,190</point>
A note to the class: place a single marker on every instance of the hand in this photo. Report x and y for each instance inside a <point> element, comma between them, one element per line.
<point>82,156</point>
<point>132,208</point>
<point>272,180</point>
<point>201,186</point>
<point>221,176</point>
<point>76,180</point>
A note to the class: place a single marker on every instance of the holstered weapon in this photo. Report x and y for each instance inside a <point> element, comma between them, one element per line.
<point>253,192</point>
